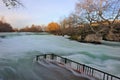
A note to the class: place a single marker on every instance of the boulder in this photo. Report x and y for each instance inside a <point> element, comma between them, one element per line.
<point>93,38</point>
<point>79,38</point>
<point>113,37</point>
<point>66,36</point>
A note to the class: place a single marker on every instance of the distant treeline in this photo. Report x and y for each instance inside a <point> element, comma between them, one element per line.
<point>51,27</point>
<point>33,28</point>
<point>82,32</point>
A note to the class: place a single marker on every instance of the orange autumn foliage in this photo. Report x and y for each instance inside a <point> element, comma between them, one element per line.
<point>53,26</point>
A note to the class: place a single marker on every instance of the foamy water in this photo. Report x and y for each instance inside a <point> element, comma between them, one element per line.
<point>17,51</point>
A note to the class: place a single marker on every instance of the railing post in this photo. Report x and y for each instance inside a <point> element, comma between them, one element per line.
<point>52,56</point>
<point>77,67</point>
<point>92,72</point>
<point>37,57</point>
<point>111,77</point>
<point>107,77</point>
<point>65,60</point>
<point>45,56</point>
<point>83,68</point>
<point>104,76</point>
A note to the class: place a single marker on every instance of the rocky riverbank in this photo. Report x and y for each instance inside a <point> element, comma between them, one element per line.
<point>92,38</point>
<point>96,39</point>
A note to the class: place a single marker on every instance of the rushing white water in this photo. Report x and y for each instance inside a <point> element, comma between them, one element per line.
<point>17,51</point>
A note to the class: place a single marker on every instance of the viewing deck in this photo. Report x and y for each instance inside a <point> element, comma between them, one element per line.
<point>78,67</point>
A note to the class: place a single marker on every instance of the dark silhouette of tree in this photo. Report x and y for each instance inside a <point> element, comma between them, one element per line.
<point>12,3</point>
<point>5,27</point>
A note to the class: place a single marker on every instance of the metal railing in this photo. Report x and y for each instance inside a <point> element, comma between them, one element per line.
<point>81,68</point>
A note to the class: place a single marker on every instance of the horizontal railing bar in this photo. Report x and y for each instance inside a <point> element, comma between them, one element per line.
<point>108,74</point>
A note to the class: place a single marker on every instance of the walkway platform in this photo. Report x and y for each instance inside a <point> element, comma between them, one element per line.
<point>82,69</point>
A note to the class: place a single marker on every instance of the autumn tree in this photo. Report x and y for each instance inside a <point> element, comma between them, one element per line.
<point>53,26</point>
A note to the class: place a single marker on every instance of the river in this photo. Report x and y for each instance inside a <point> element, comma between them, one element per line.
<point>18,51</point>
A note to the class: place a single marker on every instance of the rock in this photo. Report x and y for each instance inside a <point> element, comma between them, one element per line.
<point>66,36</point>
<point>73,37</point>
<point>113,37</point>
<point>79,38</point>
<point>93,38</point>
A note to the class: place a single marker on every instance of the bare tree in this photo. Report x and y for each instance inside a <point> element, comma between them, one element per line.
<point>63,23</point>
<point>73,20</point>
<point>12,3</point>
<point>99,11</point>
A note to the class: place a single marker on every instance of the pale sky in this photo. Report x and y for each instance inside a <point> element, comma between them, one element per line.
<point>37,12</point>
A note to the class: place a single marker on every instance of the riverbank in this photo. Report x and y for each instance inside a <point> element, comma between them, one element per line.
<point>89,39</point>
<point>93,38</point>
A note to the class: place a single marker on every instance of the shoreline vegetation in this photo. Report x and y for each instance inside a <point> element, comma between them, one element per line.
<point>81,33</point>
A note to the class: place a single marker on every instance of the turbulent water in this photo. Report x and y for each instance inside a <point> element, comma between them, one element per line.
<point>18,51</point>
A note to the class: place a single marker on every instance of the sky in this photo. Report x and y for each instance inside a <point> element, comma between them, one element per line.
<point>38,12</point>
